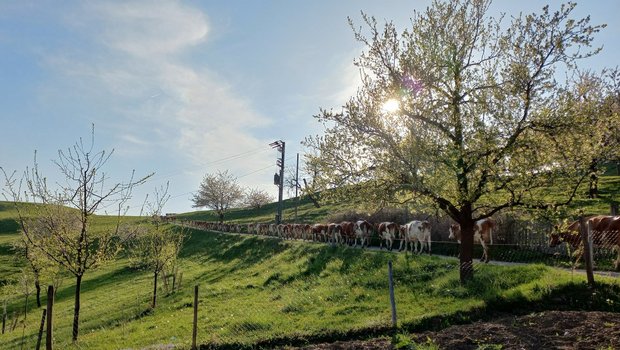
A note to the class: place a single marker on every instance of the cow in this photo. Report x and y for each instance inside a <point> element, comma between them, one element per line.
<point>347,232</point>
<point>319,232</point>
<point>387,232</point>
<point>262,229</point>
<point>334,234</point>
<point>363,231</point>
<point>306,231</point>
<point>417,231</point>
<point>605,232</point>
<point>483,233</point>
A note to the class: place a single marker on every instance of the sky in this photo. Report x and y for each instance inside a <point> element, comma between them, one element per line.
<point>188,88</point>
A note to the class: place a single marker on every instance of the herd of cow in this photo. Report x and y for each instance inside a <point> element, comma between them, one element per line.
<point>414,236</point>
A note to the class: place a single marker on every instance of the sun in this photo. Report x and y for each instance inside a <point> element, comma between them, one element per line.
<point>390,106</point>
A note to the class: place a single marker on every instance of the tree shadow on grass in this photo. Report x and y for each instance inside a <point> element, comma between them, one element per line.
<point>245,250</point>
<point>9,226</point>
<point>90,284</point>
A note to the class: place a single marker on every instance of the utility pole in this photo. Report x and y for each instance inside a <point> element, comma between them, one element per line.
<point>296,186</point>
<point>278,179</point>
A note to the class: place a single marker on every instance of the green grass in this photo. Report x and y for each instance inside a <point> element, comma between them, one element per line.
<point>306,212</point>
<point>257,290</point>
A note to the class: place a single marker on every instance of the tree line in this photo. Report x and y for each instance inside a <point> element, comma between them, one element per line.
<point>221,192</point>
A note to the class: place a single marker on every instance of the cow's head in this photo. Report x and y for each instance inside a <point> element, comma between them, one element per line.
<point>554,237</point>
<point>564,232</point>
<point>425,225</point>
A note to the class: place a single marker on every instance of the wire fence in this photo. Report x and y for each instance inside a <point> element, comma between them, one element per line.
<point>321,298</point>
<point>528,243</point>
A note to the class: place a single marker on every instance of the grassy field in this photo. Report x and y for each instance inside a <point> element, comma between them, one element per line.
<point>262,292</point>
<point>257,290</point>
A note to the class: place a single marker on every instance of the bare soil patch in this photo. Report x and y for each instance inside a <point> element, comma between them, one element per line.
<point>544,330</point>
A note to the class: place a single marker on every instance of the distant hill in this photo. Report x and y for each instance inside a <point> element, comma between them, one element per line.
<point>609,191</point>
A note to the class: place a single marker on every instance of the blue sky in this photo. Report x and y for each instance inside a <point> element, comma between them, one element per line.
<point>185,88</point>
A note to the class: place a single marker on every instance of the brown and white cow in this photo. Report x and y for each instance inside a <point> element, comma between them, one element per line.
<point>363,231</point>
<point>334,234</point>
<point>483,233</point>
<point>319,232</point>
<point>387,232</point>
<point>605,232</point>
<point>347,232</point>
<point>416,232</point>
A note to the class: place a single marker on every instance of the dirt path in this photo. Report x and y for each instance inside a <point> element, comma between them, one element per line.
<point>546,330</point>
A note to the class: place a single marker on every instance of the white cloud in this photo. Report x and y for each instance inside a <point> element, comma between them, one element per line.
<point>138,64</point>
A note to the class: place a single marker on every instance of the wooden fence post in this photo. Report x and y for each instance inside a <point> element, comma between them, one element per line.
<point>3,317</point>
<point>392,299</point>
<point>586,233</point>
<point>41,330</point>
<point>195,329</point>
<point>49,330</point>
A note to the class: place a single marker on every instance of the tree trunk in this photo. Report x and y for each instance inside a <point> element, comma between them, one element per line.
<point>37,285</point>
<point>221,218</point>
<point>76,309</point>
<point>593,185</point>
<point>466,269</point>
<point>154,290</point>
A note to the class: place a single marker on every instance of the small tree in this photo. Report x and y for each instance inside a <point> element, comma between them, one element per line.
<point>219,192</point>
<point>256,198</point>
<point>156,246</point>
<point>40,266</point>
<point>60,227</point>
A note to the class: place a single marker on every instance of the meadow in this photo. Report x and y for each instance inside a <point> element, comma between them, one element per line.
<point>260,292</point>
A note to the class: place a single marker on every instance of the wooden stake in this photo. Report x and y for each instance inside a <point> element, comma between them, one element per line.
<point>49,331</point>
<point>195,329</point>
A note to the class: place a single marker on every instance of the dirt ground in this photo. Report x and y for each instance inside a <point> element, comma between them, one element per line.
<point>545,330</point>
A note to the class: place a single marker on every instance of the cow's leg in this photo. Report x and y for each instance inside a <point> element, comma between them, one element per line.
<point>616,249</point>
<point>428,240</point>
<point>485,252</point>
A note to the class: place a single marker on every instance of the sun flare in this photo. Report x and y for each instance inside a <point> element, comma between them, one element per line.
<point>390,106</point>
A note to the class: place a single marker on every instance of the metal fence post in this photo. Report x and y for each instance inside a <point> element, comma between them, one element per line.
<point>392,299</point>
<point>586,234</point>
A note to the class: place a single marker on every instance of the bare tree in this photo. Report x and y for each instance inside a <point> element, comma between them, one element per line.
<point>256,198</point>
<point>157,245</point>
<point>61,226</point>
<point>219,192</point>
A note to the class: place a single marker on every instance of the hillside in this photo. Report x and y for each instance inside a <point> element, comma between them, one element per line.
<point>262,292</point>
<point>609,191</point>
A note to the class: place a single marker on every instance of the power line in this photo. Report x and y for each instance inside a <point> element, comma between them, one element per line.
<point>221,160</point>
<point>238,177</point>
